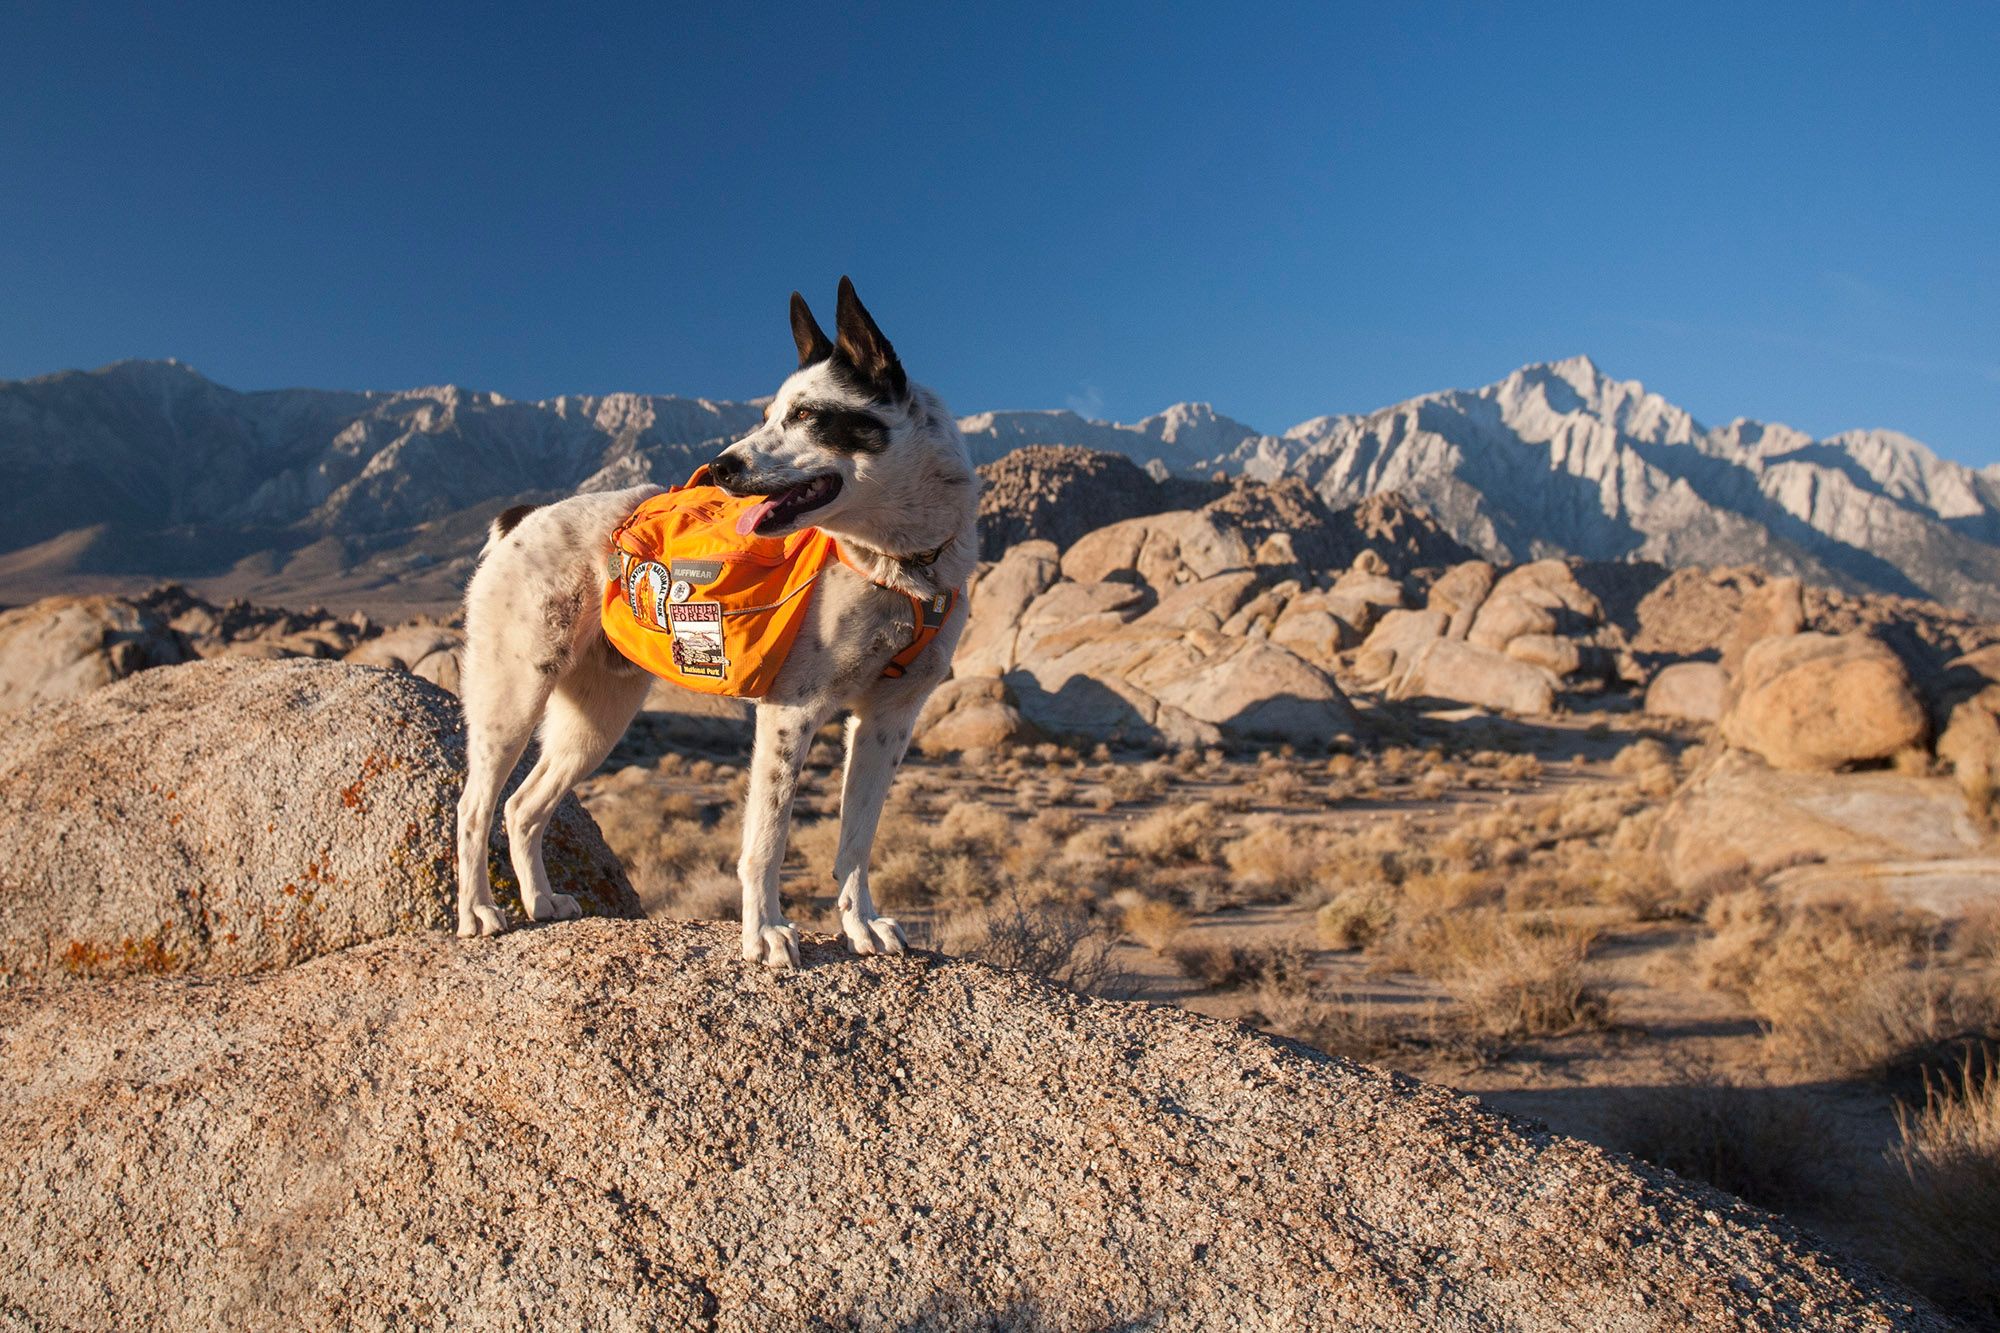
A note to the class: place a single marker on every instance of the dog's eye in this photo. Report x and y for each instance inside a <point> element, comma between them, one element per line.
<point>800,413</point>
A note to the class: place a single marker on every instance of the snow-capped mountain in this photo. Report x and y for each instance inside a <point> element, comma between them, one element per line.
<point>153,445</point>
<point>1562,459</point>
<point>1181,439</point>
<point>147,467</point>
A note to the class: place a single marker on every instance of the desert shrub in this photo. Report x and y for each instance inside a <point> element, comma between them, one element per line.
<point>1514,977</point>
<point>1288,1004</point>
<point>1518,768</point>
<point>1641,756</point>
<point>1092,851</point>
<point>662,857</point>
<point>1844,987</point>
<point>1767,1145</point>
<point>1435,784</point>
<point>1635,882</point>
<point>1339,1025</point>
<point>1154,923</point>
<point>962,856</point>
<point>1279,858</point>
<point>1231,800</point>
<point>975,827</point>
<point>1225,964</point>
<point>1190,832</point>
<point>901,875</point>
<point>814,845</point>
<point>1356,917</point>
<point>1438,892</point>
<point>1398,761</point>
<point>1056,941</point>
<point>1944,1213</point>
<point>1136,784</point>
<point>706,895</point>
<point>1060,825</point>
<point>1281,786</point>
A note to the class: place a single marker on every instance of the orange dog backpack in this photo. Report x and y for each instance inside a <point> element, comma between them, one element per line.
<point>695,602</point>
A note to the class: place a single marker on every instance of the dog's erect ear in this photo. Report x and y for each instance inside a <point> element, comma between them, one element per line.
<point>813,346</point>
<point>863,346</point>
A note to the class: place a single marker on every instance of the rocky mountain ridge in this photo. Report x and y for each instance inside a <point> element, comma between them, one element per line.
<point>149,469</point>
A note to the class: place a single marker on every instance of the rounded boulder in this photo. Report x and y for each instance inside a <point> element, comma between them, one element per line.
<point>239,815</point>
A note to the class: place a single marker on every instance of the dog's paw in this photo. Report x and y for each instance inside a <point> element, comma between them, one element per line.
<point>773,946</point>
<point>556,907</point>
<point>485,920</point>
<point>878,934</point>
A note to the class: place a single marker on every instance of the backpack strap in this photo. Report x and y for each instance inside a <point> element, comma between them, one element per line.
<point>931,613</point>
<point>928,613</point>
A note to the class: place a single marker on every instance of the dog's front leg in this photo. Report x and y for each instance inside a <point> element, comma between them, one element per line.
<point>784,731</point>
<point>875,744</point>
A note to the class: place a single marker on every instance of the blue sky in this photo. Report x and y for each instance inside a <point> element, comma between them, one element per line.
<point>1783,211</point>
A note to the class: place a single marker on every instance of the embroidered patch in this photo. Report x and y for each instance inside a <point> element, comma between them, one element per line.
<point>697,630</point>
<point>646,593</point>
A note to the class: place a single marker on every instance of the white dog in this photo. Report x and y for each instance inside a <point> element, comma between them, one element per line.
<point>848,445</point>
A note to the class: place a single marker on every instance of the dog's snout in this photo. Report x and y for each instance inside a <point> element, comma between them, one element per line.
<point>725,468</point>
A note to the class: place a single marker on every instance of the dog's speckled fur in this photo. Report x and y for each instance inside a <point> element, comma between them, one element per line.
<point>535,654</point>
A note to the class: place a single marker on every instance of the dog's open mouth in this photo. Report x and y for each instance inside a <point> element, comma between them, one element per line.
<point>789,505</point>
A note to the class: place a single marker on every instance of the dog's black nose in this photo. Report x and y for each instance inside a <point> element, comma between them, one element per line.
<point>725,468</point>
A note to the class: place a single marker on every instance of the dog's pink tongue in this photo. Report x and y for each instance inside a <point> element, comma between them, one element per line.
<point>751,517</point>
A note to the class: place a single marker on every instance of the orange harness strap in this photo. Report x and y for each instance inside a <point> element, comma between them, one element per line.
<point>929,614</point>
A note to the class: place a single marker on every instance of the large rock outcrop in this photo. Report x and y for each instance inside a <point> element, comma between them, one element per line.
<point>236,815</point>
<point>617,1125</point>
<point>1689,692</point>
<point>1736,815</point>
<point>62,647</point>
<point>1463,672</point>
<point>1823,701</point>
<point>1057,493</point>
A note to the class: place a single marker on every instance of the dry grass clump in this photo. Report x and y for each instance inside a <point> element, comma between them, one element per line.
<point>1154,923</point>
<point>919,859</point>
<point>1176,833</point>
<point>1766,1145</point>
<point>1037,933</point>
<point>1641,756</point>
<point>1515,977</point>
<point>707,894</point>
<point>1356,917</point>
<point>1281,786</point>
<point>1134,784</point>
<point>671,854</point>
<point>1288,1004</point>
<point>1944,1214</point>
<point>1845,987</point>
<point>1226,964</point>
<point>1278,858</point>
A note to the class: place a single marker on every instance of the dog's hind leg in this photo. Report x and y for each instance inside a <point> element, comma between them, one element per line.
<point>876,740</point>
<point>784,733</point>
<point>586,714</point>
<point>502,707</point>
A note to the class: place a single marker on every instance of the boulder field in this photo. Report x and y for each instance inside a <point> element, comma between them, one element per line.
<point>614,1124</point>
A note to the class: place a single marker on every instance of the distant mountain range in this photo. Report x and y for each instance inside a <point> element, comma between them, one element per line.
<point>146,468</point>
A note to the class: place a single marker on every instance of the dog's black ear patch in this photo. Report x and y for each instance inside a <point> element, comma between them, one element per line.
<point>813,345</point>
<point>508,519</point>
<point>863,347</point>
